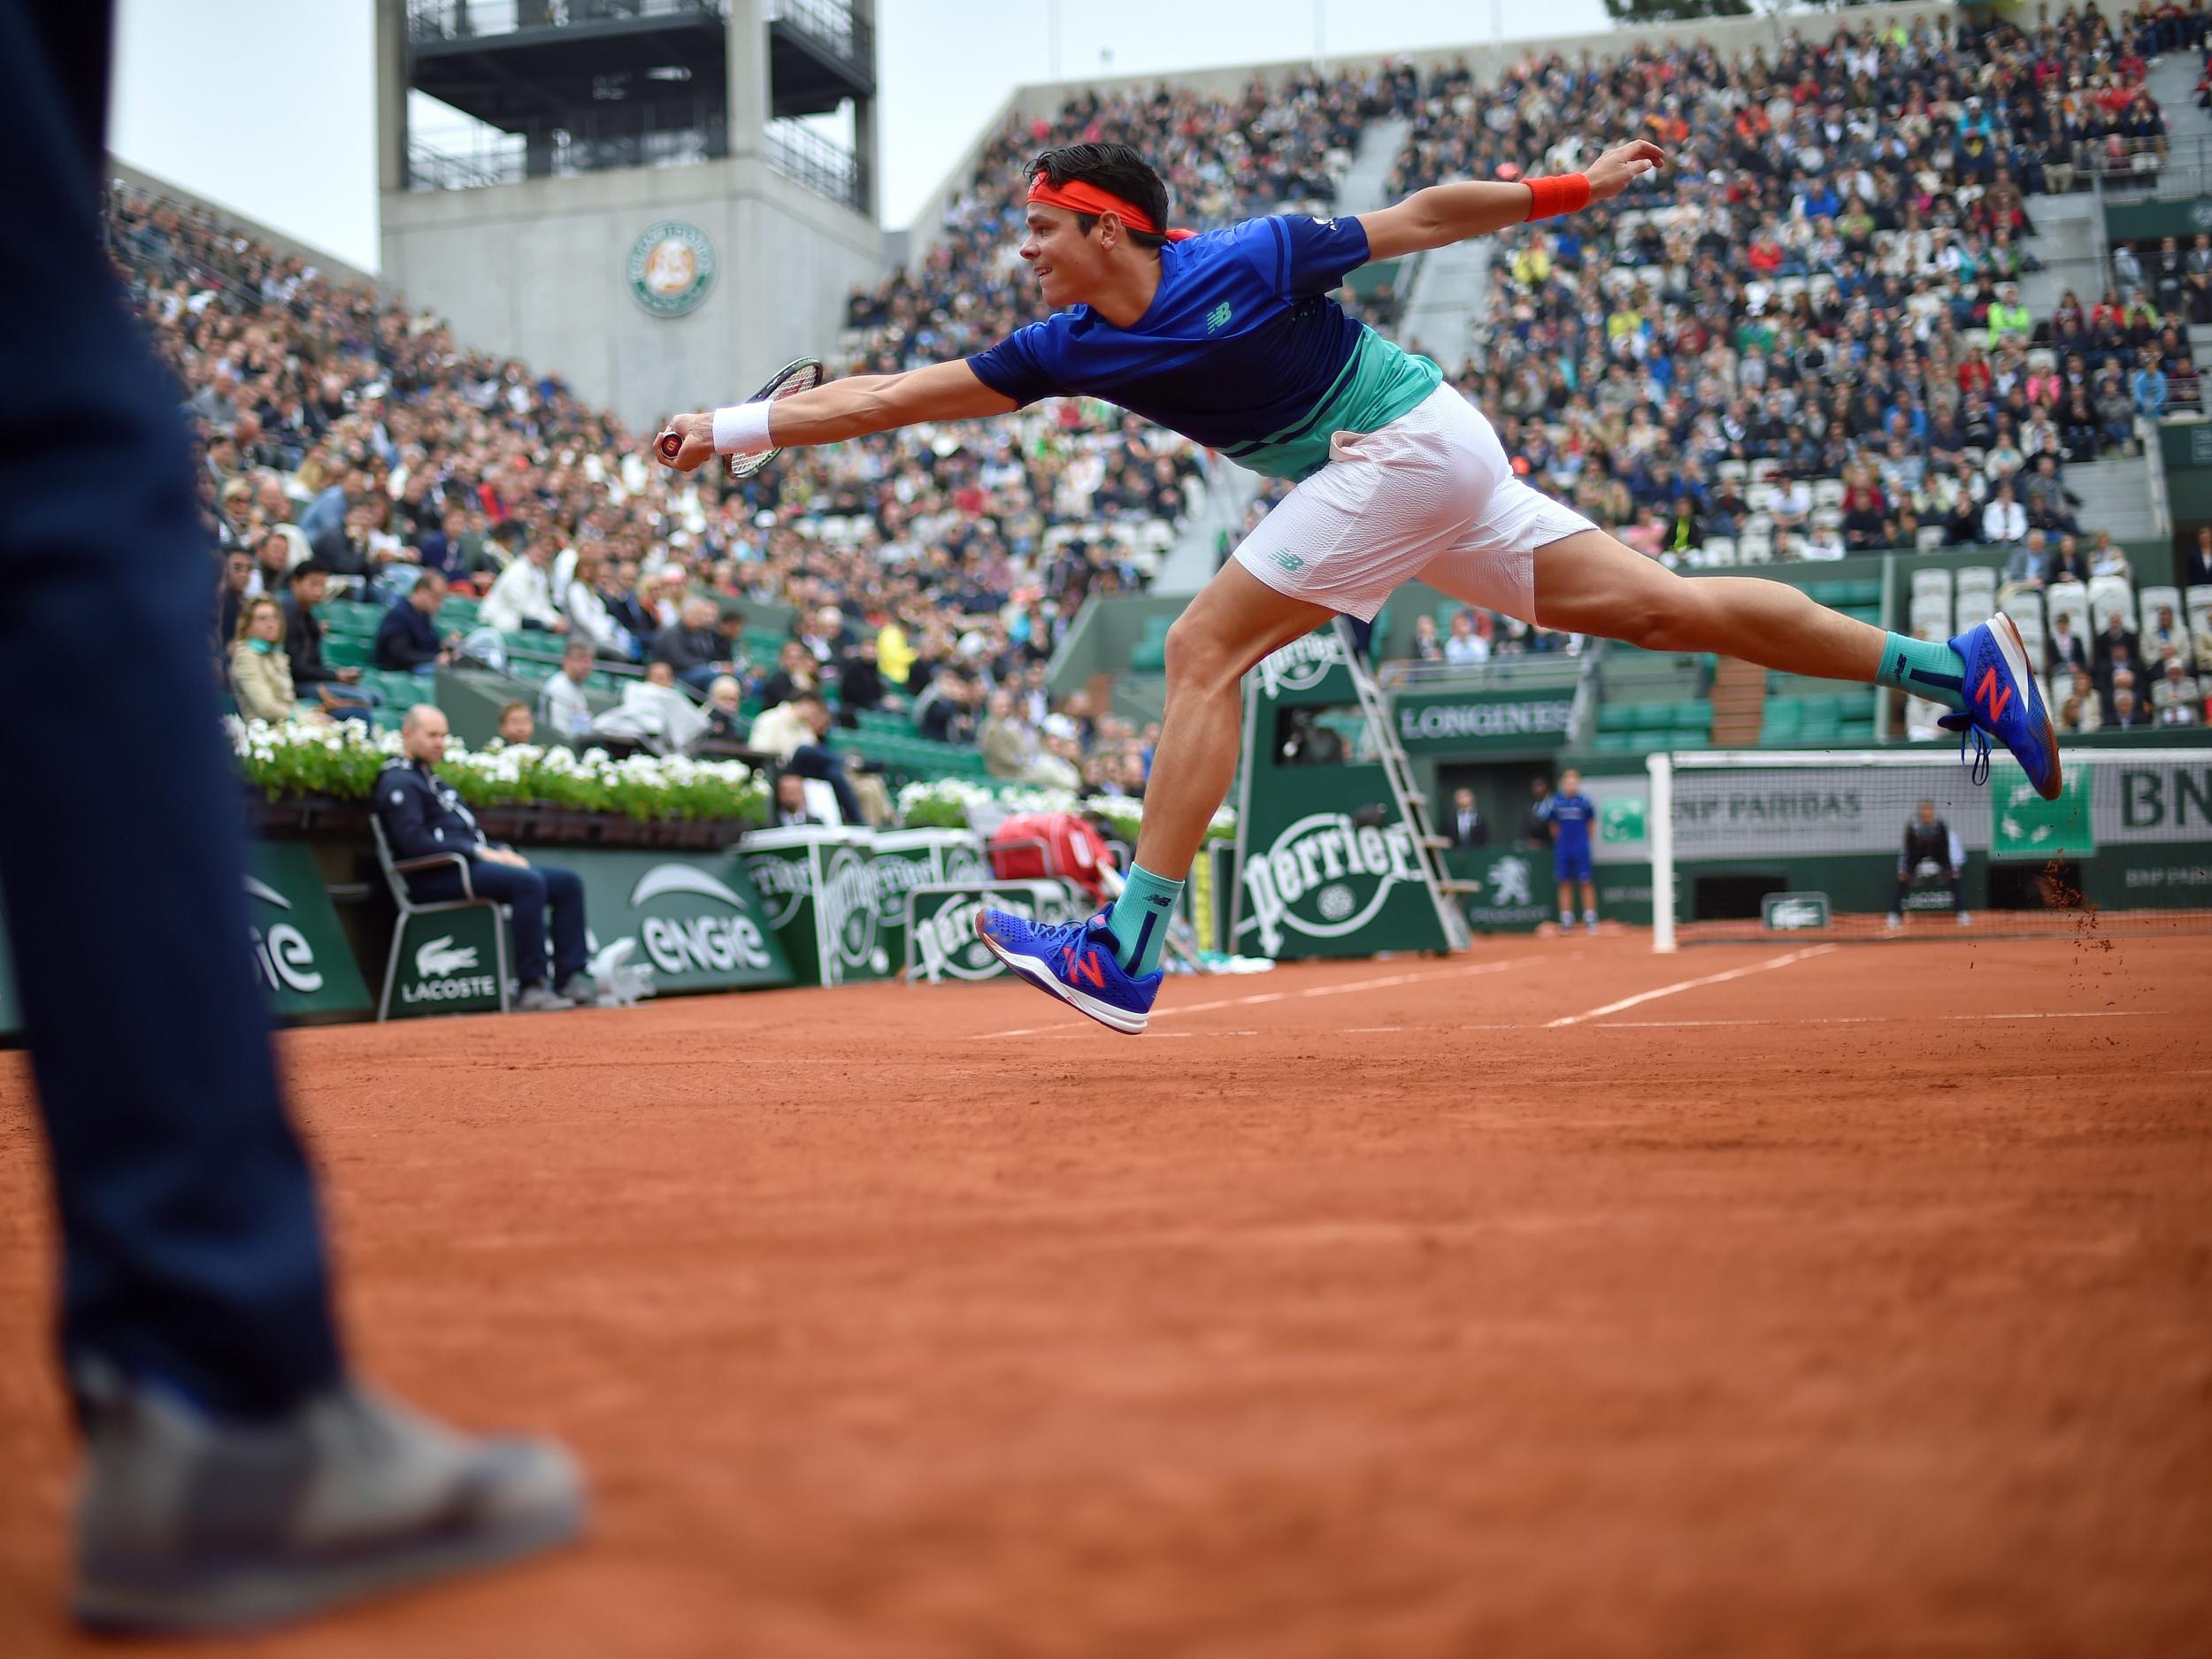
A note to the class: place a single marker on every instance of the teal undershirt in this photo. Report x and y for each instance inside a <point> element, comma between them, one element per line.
<point>1139,919</point>
<point>1925,669</point>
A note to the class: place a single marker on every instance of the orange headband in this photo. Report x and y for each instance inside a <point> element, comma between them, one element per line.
<point>1078,198</point>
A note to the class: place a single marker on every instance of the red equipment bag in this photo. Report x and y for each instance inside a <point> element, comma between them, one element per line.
<point>1062,846</point>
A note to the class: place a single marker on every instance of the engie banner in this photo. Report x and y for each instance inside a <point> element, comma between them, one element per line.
<point>298,952</point>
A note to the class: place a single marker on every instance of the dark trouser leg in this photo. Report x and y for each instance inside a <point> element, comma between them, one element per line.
<point>1897,903</point>
<point>565,892</point>
<point>811,760</point>
<point>524,892</point>
<point>191,1246</point>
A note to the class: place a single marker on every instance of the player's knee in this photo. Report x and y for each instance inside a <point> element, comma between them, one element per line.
<point>1195,654</point>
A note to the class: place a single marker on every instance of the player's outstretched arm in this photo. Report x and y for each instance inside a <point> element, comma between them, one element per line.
<point>1445,213</point>
<point>838,410</point>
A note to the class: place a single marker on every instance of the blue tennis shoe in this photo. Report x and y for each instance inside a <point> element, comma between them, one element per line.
<point>1075,962</point>
<point>2002,702</point>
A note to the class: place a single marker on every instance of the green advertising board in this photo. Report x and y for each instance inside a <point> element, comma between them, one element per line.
<point>694,919</point>
<point>300,954</point>
<point>1327,866</point>
<point>447,961</point>
<point>1475,722</point>
<point>299,950</point>
<point>1516,892</point>
<point>817,893</point>
<point>942,942</point>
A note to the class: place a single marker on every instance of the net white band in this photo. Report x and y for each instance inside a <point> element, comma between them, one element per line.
<point>741,429</point>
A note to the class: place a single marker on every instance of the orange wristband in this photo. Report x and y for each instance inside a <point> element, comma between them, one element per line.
<point>1569,193</point>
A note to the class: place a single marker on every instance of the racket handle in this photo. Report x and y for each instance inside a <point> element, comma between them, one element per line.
<point>671,445</point>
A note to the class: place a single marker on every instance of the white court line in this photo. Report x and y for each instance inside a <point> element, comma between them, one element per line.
<point>1382,983</point>
<point>1782,961</point>
<point>1882,1020</point>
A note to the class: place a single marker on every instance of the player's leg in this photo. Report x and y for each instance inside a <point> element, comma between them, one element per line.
<point>1587,582</point>
<point>1589,902</point>
<point>1235,622</point>
<point>1566,901</point>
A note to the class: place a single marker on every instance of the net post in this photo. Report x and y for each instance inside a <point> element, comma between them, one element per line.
<point>1660,820</point>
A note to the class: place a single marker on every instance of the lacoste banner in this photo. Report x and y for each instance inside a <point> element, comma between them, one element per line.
<point>449,962</point>
<point>696,921</point>
<point>1327,867</point>
<point>300,953</point>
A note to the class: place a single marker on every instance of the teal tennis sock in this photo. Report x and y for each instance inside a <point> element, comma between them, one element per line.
<point>1141,919</point>
<point>1925,669</point>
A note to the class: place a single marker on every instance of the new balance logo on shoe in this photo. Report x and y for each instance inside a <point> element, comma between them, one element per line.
<point>1987,695</point>
<point>1083,966</point>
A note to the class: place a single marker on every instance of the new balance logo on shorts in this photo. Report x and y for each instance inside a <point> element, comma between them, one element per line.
<point>1290,561</point>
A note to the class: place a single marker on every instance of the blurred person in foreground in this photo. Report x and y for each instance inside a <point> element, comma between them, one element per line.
<point>237,1472</point>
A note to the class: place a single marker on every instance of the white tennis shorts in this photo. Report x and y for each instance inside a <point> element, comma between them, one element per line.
<point>1430,495</point>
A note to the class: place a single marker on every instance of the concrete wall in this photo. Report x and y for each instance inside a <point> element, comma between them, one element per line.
<point>536,271</point>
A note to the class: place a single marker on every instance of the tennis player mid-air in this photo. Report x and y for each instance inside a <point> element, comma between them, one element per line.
<point>1231,339</point>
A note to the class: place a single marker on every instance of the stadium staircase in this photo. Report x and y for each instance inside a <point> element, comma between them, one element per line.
<point>1740,697</point>
<point>1445,301</point>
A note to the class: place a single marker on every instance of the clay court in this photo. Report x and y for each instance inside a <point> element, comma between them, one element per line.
<point>1851,1300</point>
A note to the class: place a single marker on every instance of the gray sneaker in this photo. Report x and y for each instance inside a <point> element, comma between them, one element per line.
<point>188,1523</point>
<point>581,989</point>
<point>538,999</point>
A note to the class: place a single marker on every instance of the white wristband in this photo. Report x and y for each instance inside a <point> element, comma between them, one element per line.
<point>741,429</point>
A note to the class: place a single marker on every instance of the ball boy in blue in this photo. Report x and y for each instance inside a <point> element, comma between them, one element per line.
<point>1570,813</point>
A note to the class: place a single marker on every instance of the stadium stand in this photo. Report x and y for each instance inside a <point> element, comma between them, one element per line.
<point>1804,339</point>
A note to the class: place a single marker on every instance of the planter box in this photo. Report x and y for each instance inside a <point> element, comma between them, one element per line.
<point>296,818</point>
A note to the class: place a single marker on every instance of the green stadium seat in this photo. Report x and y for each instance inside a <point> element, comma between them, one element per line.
<point>1693,717</point>
<point>1617,717</point>
<point>1613,742</point>
<point>1655,717</point>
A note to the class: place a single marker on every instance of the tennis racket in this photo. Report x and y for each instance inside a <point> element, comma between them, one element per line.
<point>800,375</point>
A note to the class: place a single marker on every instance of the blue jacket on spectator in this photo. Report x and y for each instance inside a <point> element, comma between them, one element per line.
<point>406,639</point>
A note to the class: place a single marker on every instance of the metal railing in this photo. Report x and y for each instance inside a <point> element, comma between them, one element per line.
<point>803,156</point>
<point>634,136</point>
<point>434,21</point>
<point>830,25</point>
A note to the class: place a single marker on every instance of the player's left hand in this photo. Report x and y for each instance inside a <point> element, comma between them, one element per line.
<point>693,446</point>
<point>1617,169</point>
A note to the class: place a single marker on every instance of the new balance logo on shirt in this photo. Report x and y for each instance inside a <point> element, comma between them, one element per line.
<point>1217,318</point>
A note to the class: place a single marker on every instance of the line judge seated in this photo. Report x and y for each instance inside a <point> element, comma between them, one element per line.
<point>422,815</point>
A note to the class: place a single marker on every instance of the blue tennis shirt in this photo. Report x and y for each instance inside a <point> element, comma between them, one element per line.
<point>1572,814</point>
<point>1241,349</point>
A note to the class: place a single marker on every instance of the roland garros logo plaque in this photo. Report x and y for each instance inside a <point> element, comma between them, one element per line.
<point>670,268</point>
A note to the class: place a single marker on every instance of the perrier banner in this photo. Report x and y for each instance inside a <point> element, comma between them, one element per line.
<point>1327,866</point>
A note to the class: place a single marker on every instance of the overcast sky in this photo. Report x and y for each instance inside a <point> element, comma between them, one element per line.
<point>268,106</point>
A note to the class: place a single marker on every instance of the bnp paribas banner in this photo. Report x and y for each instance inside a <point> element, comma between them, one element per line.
<point>1326,866</point>
<point>299,952</point>
<point>1736,813</point>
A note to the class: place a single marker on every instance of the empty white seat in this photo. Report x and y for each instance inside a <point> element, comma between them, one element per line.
<point>1764,468</point>
<point>1758,524</point>
<point>1720,550</point>
<point>1827,492</point>
<point>1828,517</point>
<point>1760,497</point>
<point>2198,598</point>
<point>1928,537</point>
<point>2109,594</point>
<point>1736,470</point>
<point>1932,584</point>
<point>1973,609</point>
<point>2148,601</point>
<point>1932,614</point>
<point>1755,548</point>
<point>2071,600</point>
<point>1975,576</point>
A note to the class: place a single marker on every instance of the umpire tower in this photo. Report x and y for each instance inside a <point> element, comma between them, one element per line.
<point>645,211</point>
